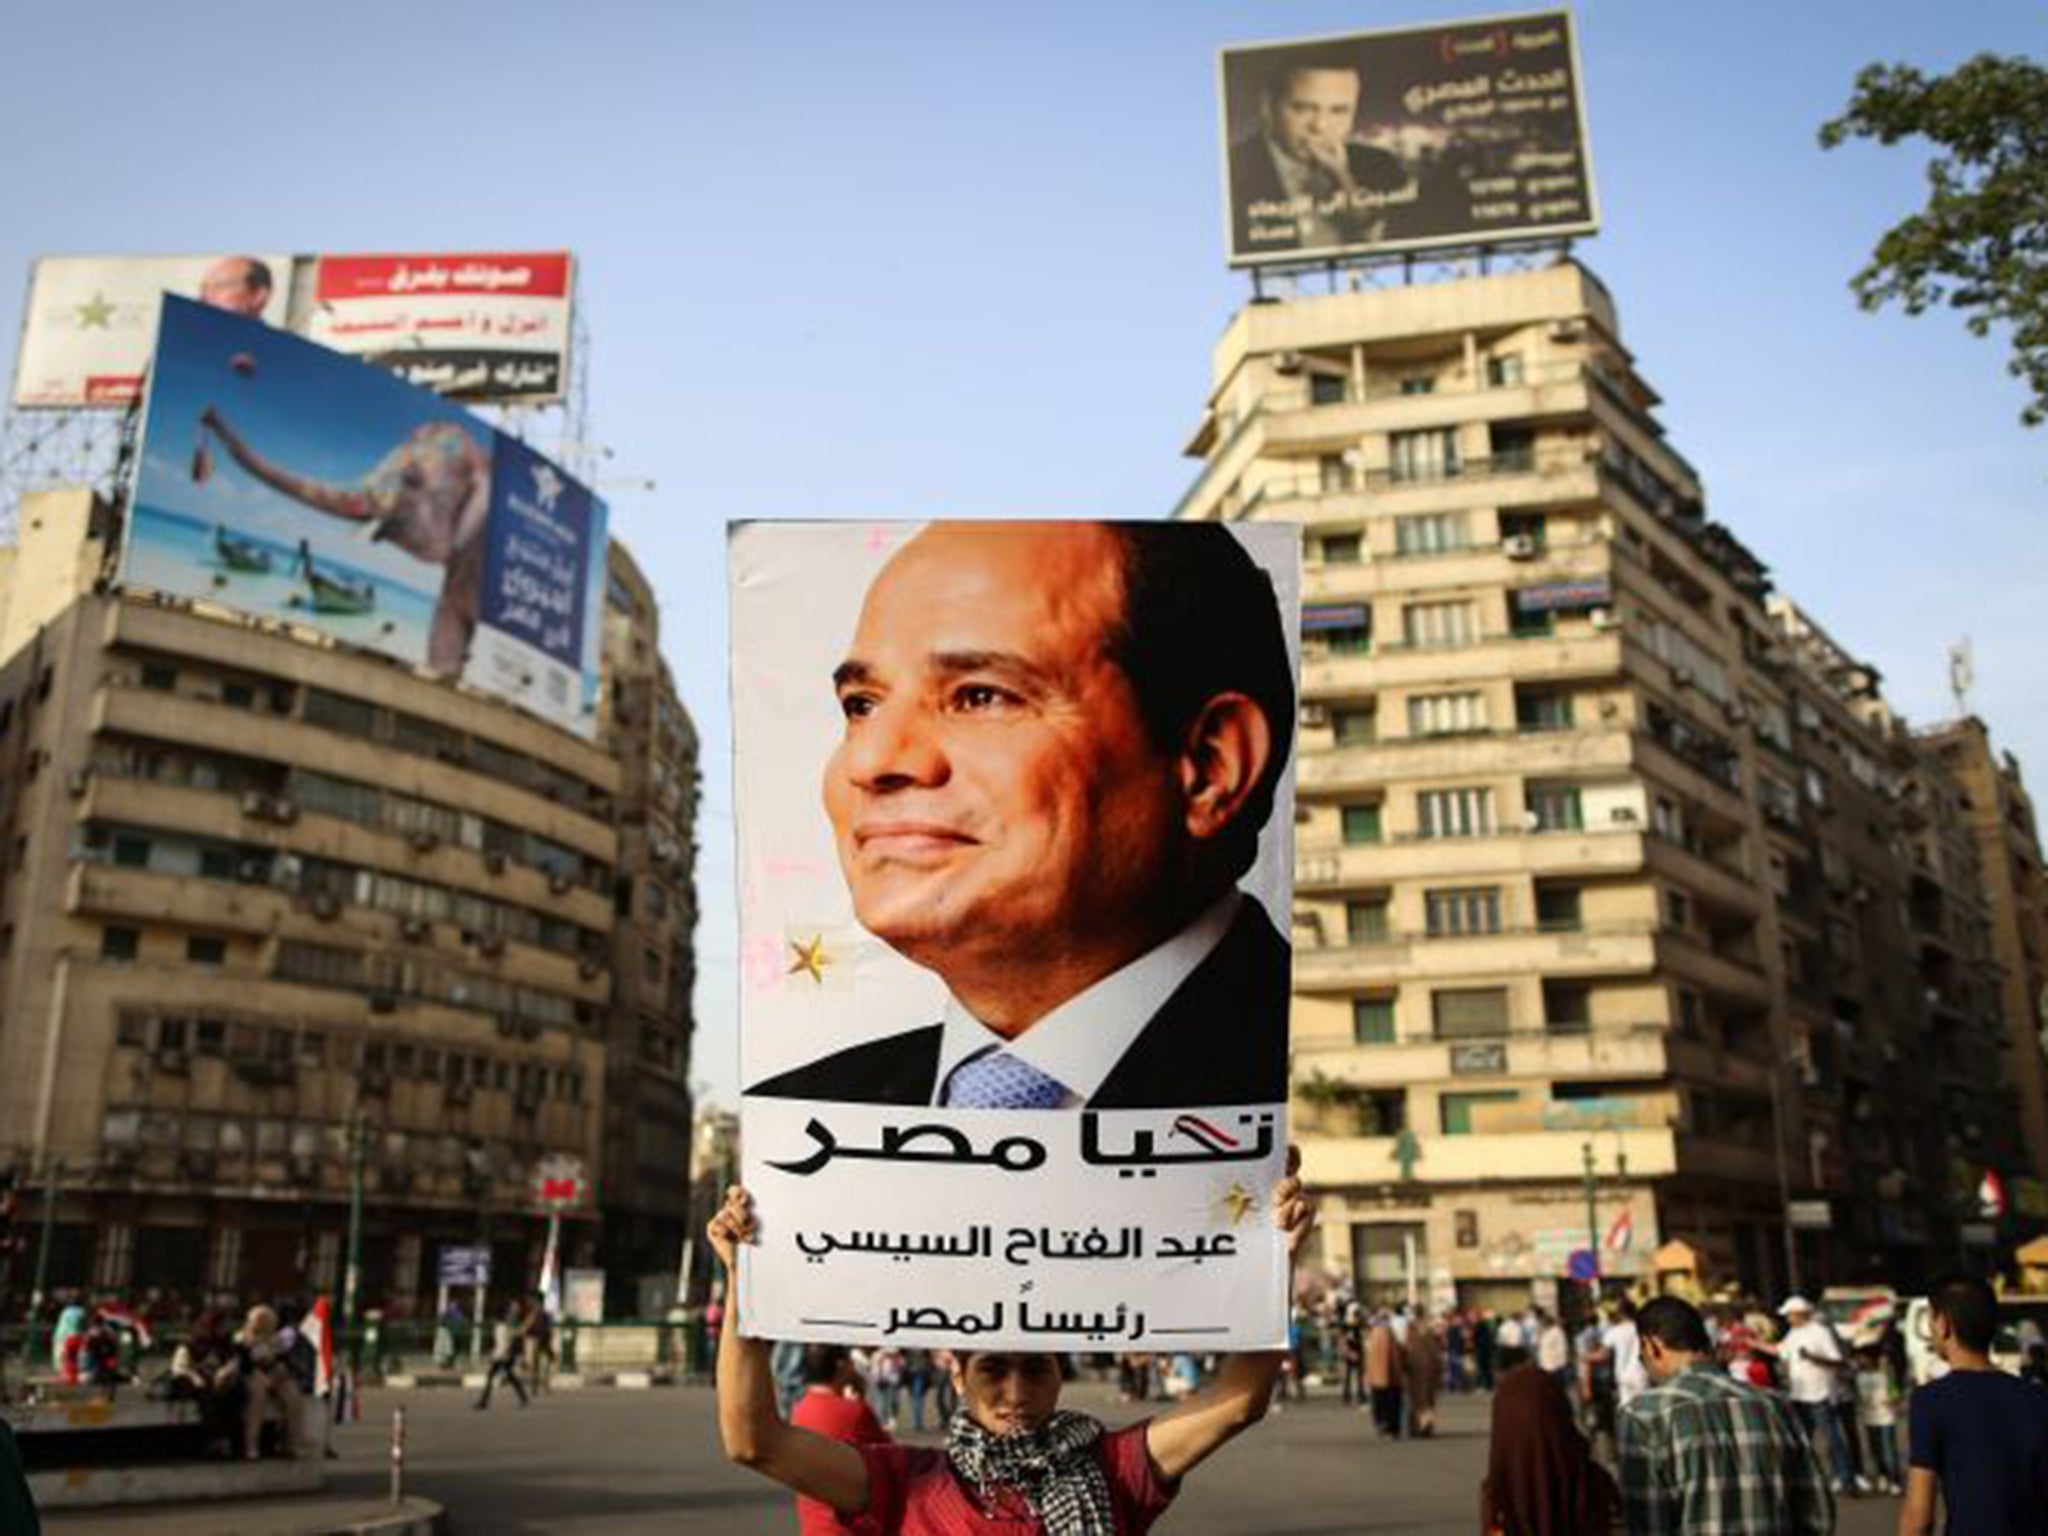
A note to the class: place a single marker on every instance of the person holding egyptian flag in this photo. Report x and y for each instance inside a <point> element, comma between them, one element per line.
<point>331,1387</point>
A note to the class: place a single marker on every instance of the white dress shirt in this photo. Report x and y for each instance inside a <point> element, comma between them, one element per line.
<point>1080,1042</point>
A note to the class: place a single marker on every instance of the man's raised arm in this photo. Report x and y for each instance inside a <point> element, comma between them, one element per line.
<point>1181,1438</point>
<point>754,1433</point>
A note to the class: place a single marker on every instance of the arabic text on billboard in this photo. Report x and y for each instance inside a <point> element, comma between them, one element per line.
<point>470,326</point>
<point>284,481</point>
<point>1390,141</point>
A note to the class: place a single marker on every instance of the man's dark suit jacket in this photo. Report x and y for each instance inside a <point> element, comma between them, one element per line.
<point>1255,179</point>
<point>1221,1038</point>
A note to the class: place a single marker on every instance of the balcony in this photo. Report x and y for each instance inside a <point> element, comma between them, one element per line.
<point>1562,477</point>
<point>1710,880</point>
<point>1621,949</point>
<point>1483,1157</point>
<point>1691,959</point>
<point>1340,866</point>
<point>1621,1052</point>
<point>1471,565</point>
<point>1482,755</point>
<point>1393,665</point>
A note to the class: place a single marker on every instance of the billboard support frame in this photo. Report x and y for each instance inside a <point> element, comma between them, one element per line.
<point>1409,261</point>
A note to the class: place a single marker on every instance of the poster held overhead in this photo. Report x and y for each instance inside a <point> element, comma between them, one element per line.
<point>1015,806</point>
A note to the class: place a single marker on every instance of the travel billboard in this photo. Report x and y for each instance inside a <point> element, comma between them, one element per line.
<point>472,326</point>
<point>1015,820</point>
<point>282,480</point>
<point>1464,134</point>
<point>90,321</point>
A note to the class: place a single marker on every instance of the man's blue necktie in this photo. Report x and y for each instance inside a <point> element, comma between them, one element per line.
<point>993,1079</point>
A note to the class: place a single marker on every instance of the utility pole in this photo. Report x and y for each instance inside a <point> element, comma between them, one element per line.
<point>352,1275</point>
<point>43,1241</point>
<point>1592,1223</point>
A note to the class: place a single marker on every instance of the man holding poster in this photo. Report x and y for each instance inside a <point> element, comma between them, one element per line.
<point>1013,1460</point>
<point>1061,743</point>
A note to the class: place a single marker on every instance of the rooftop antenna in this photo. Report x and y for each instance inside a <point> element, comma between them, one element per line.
<point>1962,674</point>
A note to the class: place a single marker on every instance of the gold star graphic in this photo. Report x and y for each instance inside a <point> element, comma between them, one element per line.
<point>95,313</point>
<point>808,958</point>
<point>1238,1203</point>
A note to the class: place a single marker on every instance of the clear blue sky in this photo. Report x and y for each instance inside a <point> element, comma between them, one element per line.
<point>886,260</point>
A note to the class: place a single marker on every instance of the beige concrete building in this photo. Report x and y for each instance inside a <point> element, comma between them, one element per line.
<point>260,889</point>
<point>646,1167</point>
<point>1547,778</point>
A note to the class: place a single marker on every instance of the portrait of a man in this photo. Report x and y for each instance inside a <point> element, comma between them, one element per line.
<point>1301,181</point>
<point>239,284</point>
<point>1060,744</point>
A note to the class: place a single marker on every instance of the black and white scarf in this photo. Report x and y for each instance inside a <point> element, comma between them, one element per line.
<point>1055,1468</point>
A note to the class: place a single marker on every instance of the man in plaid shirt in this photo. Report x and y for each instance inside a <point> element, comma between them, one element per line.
<point>1705,1455</point>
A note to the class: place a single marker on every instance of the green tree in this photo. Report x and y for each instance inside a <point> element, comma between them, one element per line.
<point>1980,245</point>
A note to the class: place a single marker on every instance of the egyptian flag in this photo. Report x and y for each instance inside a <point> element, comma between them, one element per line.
<point>318,1330</point>
<point>1621,1236</point>
<point>125,1317</point>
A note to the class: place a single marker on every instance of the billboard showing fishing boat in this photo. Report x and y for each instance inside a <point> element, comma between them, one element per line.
<point>283,480</point>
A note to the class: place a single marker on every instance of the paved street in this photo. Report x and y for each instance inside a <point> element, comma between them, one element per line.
<point>608,1463</point>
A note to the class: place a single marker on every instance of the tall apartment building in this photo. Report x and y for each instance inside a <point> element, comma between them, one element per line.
<point>271,908</point>
<point>2001,820</point>
<point>644,1179</point>
<point>1548,781</point>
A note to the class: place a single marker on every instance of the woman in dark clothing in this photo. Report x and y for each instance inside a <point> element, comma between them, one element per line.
<point>1541,1479</point>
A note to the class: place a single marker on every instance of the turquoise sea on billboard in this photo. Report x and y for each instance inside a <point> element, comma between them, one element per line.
<point>166,548</point>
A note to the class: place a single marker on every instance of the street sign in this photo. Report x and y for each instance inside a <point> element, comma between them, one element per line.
<point>465,1266</point>
<point>1809,1215</point>
<point>557,1183</point>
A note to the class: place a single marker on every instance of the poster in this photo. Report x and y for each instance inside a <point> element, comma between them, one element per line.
<point>286,482</point>
<point>1449,135</point>
<point>469,325</point>
<point>90,323</point>
<point>1015,807</point>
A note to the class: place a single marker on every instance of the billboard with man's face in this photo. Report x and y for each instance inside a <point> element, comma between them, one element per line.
<point>282,480</point>
<point>1451,135</point>
<point>1015,846</point>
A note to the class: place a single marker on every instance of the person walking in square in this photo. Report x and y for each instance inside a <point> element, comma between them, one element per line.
<point>1705,1455</point>
<point>1977,1438</point>
<point>507,1340</point>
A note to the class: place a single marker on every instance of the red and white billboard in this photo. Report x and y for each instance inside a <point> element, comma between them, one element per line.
<point>471,325</point>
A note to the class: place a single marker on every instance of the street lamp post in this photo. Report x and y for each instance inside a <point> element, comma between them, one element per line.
<point>44,1239</point>
<point>358,1141</point>
<point>1592,1224</point>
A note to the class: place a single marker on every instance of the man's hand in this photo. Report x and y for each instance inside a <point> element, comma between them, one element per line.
<point>733,1225</point>
<point>1293,1211</point>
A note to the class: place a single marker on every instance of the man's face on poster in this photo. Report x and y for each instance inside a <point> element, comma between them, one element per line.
<point>1313,114</point>
<point>996,795</point>
<point>237,284</point>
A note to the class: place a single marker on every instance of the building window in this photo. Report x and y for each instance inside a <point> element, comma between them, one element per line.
<point>1468,1013</point>
<point>1455,1109</point>
<point>216,864</point>
<point>1327,389</point>
<point>132,1029</point>
<point>239,695</point>
<point>1418,384</point>
<point>159,675</point>
<point>1514,449</point>
<point>119,943</point>
<point>1523,525</point>
<point>1340,629</point>
<point>203,949</point>
<point>1333,472</point>
<point>1454,812</point>
<point>1383,1112</point>
<point>1343,548</point>
<point>1372,1020</point>
<point>1466,1228</point>
<point>1438,533</point>
<point>1362,823</point>
<point>1555,808</point>
<point>338,713</point>
<point>1504,370</point>
<point>1461,910</point>
<point>1542,709</point>
<point>1567,1007</point>
<point>1526,623</point>
<point>131,852</point>
<point>1433,625</point>
<point>1692,1013</point>
<point>1678,909</point>
<point>1417,456</point>
<point>1365,922</point>
<point>1557,908</point>
<point>1446,714</point>
<point>1356,726</point>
